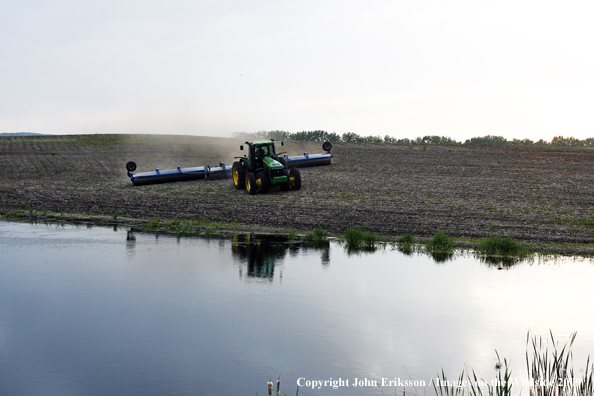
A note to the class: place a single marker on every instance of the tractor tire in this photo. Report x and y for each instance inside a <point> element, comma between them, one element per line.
<point>282,160</point>
<point>286,186</point>
<point>295,178</point>
<point>326,146</point>
<point>238,174</point>
<point>131,166</point>
<point>261,182</point>
<point>250,183</point>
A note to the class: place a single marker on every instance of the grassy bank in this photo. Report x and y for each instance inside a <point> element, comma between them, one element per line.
<point>353,238</point>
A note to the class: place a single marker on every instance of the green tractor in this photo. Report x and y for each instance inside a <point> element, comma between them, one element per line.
<point>263,168</point>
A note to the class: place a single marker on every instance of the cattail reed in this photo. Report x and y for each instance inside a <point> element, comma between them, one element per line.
<point>270,386</point>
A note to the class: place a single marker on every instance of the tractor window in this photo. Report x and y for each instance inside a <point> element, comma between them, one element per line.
<point>264,151</point>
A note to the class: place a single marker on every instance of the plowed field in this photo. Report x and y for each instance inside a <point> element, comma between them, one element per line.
<point>533,194</point>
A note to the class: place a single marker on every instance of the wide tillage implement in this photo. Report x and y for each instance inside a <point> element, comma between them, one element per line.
<point>222,171</point>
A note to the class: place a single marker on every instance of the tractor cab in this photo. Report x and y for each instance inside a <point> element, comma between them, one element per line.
<point>260,151</point>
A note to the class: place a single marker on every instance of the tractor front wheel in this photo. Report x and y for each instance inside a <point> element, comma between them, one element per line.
<point>250,183</point>
<point>286,186</point>
<point>295,178</point>
<point>261,183</point>
<point>238,175</point>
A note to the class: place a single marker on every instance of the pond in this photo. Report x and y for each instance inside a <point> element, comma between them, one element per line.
<point>89,311</point>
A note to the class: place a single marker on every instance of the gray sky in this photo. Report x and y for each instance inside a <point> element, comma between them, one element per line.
<point>403,68</point>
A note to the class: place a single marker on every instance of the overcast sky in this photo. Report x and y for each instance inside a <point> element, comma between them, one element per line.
<point>520,69</point>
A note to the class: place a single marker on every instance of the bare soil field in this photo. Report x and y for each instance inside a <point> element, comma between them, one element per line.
<point>534,194</point>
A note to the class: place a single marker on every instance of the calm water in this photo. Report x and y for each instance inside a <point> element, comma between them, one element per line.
<point>86,312</point>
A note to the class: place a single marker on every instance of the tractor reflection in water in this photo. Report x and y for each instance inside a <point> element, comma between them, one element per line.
<point>257,255</point>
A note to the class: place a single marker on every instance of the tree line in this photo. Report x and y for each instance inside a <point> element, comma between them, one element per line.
<point>351,137</point>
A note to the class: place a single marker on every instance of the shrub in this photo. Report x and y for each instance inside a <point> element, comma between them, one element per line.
<point>318,235</point>
<point>292,235</point>
<point>153,225</point>
<point>406,239</point>
<point>501,246</point>
<point>440,243</point>
<point>356,238</point>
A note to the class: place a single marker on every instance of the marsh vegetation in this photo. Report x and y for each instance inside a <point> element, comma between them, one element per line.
<point>550,373</point>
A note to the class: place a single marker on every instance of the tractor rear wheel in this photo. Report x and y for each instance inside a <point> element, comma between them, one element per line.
<point>261,182</point>
<point>238,175</point>
<point>250,183</point>
<point>295,178</point>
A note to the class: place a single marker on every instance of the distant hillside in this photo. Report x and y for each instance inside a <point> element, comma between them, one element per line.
<point>19,133</point>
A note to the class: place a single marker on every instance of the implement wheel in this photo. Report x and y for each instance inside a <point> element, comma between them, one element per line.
<point>282,160</point>
<point>238,174</point>
<point>261,182</point>
<point>295,178</point>
<point>131,166</point>
<point>250,183</point>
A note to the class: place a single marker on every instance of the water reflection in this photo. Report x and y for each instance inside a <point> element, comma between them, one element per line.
<point>326,256</point>
<point>130,237</point>
<point>441,257</point>
<point>259,254</point>
<point>357,250</point>
<point>499,261</point>
<point>406,249</point>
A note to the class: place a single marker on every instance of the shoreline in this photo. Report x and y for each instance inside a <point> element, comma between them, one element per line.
<point>207,229</point>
